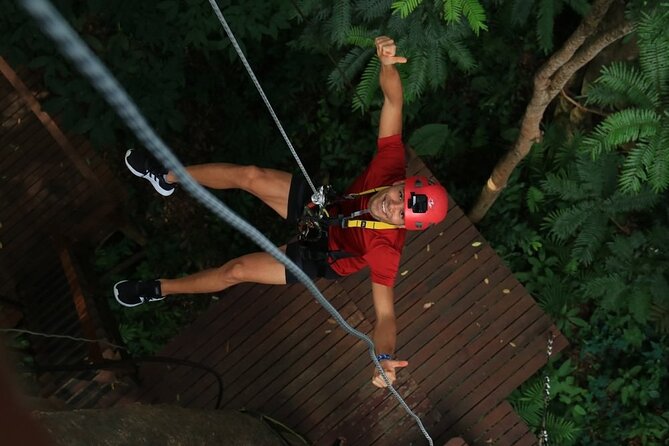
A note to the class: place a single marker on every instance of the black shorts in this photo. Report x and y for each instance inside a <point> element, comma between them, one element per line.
<point>310,257</point>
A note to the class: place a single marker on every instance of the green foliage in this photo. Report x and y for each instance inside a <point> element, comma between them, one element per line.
<point>546,12</point>
<point>431,139</point>
<point>600,271</point>
<point>639,93</point>
<point>590,204</point>
<point>155,49</point>
<point>470,9</point>
<point>528,402</point>
<point>432,43</point>
<point>405,7</point>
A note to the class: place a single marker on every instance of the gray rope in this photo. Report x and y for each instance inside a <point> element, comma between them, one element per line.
<point>99,76</point>
<point>240,53</point>
<point>57,336</point>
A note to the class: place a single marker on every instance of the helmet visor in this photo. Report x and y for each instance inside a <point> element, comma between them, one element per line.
<point>417,203</point>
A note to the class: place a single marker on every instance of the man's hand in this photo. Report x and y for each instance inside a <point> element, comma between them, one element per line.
<point>385,50</point>
<point>389,367</point>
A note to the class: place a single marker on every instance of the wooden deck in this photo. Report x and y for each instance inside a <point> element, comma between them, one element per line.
<point>56,191</point>
<point>470,331</point>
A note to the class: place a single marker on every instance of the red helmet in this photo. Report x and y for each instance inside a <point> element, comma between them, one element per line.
<point>426,203</point>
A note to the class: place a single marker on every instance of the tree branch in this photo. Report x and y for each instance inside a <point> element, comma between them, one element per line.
<point>587,27</point>
<point>582,107</point>
<point>587,53</point>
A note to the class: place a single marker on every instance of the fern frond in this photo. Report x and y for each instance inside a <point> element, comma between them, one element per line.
<point>622,127</point>
<point>597,178</point>
<point>405,7</point>
<point>620,203</point>
<point>561,430</point>
<point>563,185</point>
<point>416,79</point>
<point>656,159</point>
<point>436,67</point>
<point>475,15</point>
<point>361,36</point>
<point>621,84</point>
<point>545,18</point>
<point>535,197</point>
<point>520,11</point>
<point>341,21</point>
<point>371,10</point>
<point>625,246</point>
<point>654,49</point>
<point>527,401</point>
<point>348,67</point>
<point>553,297</point>
<point>458,52</point>
<point>611,285</point>
<point>563,223</point>
<point>633,173</point>
<point>367,86</point>
<point>453,10</point>
<point>593,232</point>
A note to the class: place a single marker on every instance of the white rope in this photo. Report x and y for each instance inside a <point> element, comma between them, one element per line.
<point>57,336</point>
<point>99,76</point>
<point>240,53</point>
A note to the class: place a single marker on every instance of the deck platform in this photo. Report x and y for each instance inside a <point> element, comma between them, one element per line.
<point>470,331</point>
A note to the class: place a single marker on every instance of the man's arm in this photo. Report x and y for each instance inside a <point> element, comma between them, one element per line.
<point>390,122</point>
<point>385,332</point>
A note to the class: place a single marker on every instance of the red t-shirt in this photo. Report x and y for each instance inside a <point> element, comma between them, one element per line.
<point>378,249</point>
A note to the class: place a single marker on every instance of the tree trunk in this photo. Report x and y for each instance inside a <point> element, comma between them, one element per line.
<point>143,425</point>
<point>581,47</point>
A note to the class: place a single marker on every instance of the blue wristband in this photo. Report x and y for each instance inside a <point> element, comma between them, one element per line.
<point>383,357</point>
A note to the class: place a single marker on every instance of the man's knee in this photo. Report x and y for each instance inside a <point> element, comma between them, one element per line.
<point>252,175</point>
<point>235,271</point>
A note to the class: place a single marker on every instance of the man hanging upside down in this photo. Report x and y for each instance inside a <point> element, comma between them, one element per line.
<point>406,203</point>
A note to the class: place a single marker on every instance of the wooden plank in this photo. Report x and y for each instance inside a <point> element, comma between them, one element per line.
<point>529,439</point>
<point>194,344</point>
<point>310,353</point>
<point>496,431</point>
<point>480,428</point>
<point>416,361</point>
<point>493,357</point>
<point>363,391</point>
<point>50,125</point>
<point>512,370</point>
<point>79,300</point>
<point>513,435</point>
<point>276,338</point>
<point>257,329</point>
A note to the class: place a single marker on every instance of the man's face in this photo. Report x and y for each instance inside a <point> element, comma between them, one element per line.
<point>388,205</point>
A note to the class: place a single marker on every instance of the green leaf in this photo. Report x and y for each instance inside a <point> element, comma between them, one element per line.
<point>430,139</point>
<point>405,7</point>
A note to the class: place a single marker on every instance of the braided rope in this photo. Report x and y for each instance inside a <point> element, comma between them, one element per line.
<point>252,75</point>
<point>99,76</point>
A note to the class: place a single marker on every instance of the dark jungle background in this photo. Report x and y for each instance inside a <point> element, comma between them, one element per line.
<point>583,222</point>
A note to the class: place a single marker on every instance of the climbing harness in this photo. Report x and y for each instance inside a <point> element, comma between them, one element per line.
<point>543,435</point>
<point>72,47</point>
<point>316,219</point>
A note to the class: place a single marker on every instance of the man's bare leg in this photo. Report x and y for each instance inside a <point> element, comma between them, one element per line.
<point>258,267</point>
<point>269,185</point>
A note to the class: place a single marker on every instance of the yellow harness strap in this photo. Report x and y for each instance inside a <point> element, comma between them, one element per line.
<point>368,224</point>
<point>368,191</point>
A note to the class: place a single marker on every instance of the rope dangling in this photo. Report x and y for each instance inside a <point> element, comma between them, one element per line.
<point>240,53</point>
